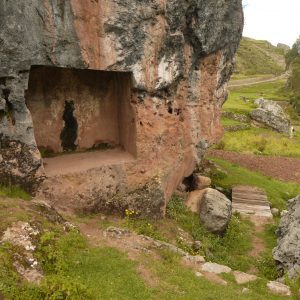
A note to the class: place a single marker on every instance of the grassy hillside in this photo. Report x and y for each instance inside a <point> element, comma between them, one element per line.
<point>256,57</point>
<point>82,267</point>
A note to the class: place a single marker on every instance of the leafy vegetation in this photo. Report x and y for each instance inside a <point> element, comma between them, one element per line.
<point>278,191</point>
<point>259,57</point>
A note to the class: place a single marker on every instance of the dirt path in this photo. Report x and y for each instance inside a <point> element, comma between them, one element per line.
<point>254,81</point>
<point>257,242</point>
<point>282,168</point>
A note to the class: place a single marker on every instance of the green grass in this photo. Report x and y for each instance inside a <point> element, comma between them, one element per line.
<point>278,191</point>
<point>75,270</point>
<point>266,264</point>
<point>14,192</point>
<point>229,122</point>
<point>176,282</point>
<point>259,57</point>
<point>270,90</point>
<point>262,141</point>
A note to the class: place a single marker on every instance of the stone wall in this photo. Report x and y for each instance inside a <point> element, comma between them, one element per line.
<point>180,55</point>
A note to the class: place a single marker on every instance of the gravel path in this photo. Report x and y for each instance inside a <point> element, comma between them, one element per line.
<point>282,168</point>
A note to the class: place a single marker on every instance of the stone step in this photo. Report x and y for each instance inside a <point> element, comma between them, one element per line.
<point>250,207</point>
<point>249,199</point>
<point>246,209</point>
<point>251,202</point>
<point>248,190</point>
<point>252,196</point>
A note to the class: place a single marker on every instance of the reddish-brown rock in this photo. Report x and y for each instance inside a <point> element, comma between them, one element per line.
<point>176,58</point>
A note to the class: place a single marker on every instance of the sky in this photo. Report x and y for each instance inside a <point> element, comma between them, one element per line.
<point>277,21</point>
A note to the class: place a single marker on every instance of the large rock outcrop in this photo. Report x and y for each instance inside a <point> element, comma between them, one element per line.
<point>287,252</point>
<point>170,59</point>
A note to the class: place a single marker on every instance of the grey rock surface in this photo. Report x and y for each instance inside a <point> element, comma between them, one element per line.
<point>215,211</point>
<point>287,251</point>
<point>270,114</point>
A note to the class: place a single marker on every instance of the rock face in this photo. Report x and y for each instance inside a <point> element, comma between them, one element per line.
<point>147,76</point>
<point>270,114</point>
<point>287,252</point>
<point>215,211</point>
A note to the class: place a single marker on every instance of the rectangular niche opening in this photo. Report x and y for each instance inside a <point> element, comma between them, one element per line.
<point>81,112</point>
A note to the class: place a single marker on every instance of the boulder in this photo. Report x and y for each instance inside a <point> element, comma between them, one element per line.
<point>270,114</point>
<point>215,211</point>
<point>287,252</point>
<point>201,182</point>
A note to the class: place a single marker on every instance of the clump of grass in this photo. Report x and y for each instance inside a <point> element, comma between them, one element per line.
<point>230,249</point>
<point>278,191</point>
<point>261,144</point>
<point>220,146</point>
<point>14,192</point>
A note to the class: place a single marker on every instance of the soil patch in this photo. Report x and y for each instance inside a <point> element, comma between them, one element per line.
<point>282,168</point>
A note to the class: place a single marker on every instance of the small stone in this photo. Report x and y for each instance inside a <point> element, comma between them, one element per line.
<point>245,291</point>
<point>103,218</point>
<point>279,288</point>
<point>215,268</point>
<point>196,259</point>
<point>275,212</point>
<point>201,182</point>
<point>198,274</point>
<point>242,278</point>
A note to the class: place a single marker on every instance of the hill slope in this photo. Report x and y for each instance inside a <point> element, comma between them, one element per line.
<point>293,62</point>
<point>256,57</point>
